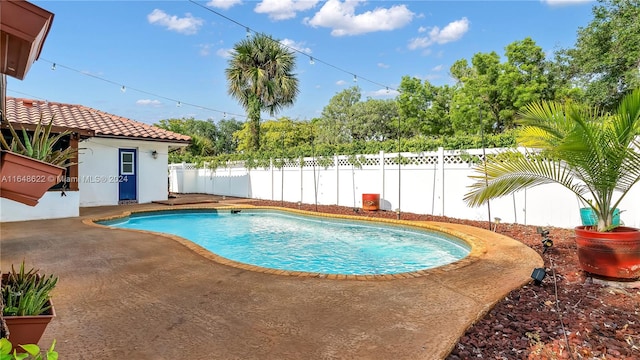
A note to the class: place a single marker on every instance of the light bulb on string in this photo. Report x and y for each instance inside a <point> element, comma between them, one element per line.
<point>248,32</point>
<point>123,89</point>
<point>53,66</point>
<point>178,104</point>
<point>311,61</point>
<point>355,78</point>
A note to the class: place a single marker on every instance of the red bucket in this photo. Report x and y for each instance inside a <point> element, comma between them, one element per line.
<point>370,202</point>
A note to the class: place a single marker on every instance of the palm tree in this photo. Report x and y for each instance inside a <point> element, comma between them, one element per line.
<point>592,153</point>
<point>260,77</point>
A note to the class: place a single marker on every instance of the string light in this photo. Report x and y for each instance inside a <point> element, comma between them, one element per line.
<point>312,61</point>
<point>124,88</point>
<point>284,45</point>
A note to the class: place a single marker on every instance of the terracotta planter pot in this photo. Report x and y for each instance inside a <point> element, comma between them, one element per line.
<point>27,329</point>
<point>613,254</point>
<point>370,202</point>
<point>24,179</point>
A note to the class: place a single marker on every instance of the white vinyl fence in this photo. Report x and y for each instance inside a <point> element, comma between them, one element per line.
<point>425,183</point>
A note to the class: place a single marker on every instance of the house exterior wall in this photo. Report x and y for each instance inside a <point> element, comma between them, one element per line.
<point>51,206</point>
<point>99,165</point>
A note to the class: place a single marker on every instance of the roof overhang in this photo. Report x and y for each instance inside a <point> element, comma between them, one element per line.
<point>23,29</point>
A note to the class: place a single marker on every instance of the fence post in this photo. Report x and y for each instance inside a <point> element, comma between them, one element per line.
<point>336,164</point>
<point>382,187</point>
<point>439,193</point>
<point>271,172</point>
<point>301,167</point>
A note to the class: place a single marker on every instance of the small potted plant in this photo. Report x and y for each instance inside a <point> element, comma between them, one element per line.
<point>32,164</point>
<point>27,304</point>
<point>595,155</point>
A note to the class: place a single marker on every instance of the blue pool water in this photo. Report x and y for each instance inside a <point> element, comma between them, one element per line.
<point>283,241</point>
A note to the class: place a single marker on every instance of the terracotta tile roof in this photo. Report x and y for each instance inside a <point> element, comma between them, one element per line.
<point>27,111</point>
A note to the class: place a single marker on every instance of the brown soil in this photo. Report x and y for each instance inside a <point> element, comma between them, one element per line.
<point>570,315</point>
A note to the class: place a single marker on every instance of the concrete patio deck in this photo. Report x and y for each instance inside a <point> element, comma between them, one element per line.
<point>132,295</point>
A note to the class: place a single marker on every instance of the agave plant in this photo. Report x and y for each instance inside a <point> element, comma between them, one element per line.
<point>27,293</point>
<point>40,145</point>
<point>592,153</point>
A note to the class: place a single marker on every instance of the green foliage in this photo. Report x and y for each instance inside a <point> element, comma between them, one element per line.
<point>40,145</point>
<point>32,352</point>
<point>589,152</point>
<point>490,93</point>
<point>336,124</point>
<point>604,60</point>
<point>27,293</point>
<point>424,109</point>
<point>260,76</point>
<point>327,151</point>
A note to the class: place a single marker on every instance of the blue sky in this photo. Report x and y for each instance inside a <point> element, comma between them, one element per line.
<point>170,56</point>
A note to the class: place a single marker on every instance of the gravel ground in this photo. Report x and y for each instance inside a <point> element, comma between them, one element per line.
<point>569,315</point>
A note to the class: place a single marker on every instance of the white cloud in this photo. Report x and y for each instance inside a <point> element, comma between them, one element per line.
<point>340,82</point>
<point>299,46</point>
<point>383,65</point>
<point>224,53</point>
<point>188,25</point>
<point>565,2</point>
<point>284,9</point>
<point>438,68</point>
<point>149,102</point>
<point>224,4</point>
<point>341,17</point>
<point>422,29</point>
<point>452,32</point>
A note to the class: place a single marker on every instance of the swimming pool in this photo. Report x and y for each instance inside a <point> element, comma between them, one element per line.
<point>284,241</point>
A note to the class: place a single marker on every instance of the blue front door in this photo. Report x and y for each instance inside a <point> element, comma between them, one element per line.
<point>127,180</point>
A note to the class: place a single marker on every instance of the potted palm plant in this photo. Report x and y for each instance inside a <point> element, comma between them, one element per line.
<point>595,155</point>
<point>32,164</point>
<point>27,304</point>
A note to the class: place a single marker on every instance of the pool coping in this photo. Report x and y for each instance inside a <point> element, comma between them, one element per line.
<point>478,246</point>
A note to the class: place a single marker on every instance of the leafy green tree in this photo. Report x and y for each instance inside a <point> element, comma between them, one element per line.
<point>438,114</point>
<point>606,58</point>
<point>414,101</point>
<point>260,76</point>
<point>337,122</point>
<point>524,78</point>
<point>477,95</point>
<point>203,134</point>
<point>497,91</point>
<point>283,134</point>
<point>374,120</point>
<point>225,143</point>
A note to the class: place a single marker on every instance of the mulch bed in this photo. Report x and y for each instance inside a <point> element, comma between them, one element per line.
<point>569,315</point>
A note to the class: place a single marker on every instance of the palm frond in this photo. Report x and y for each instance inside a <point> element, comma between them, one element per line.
<point>591,153</point>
